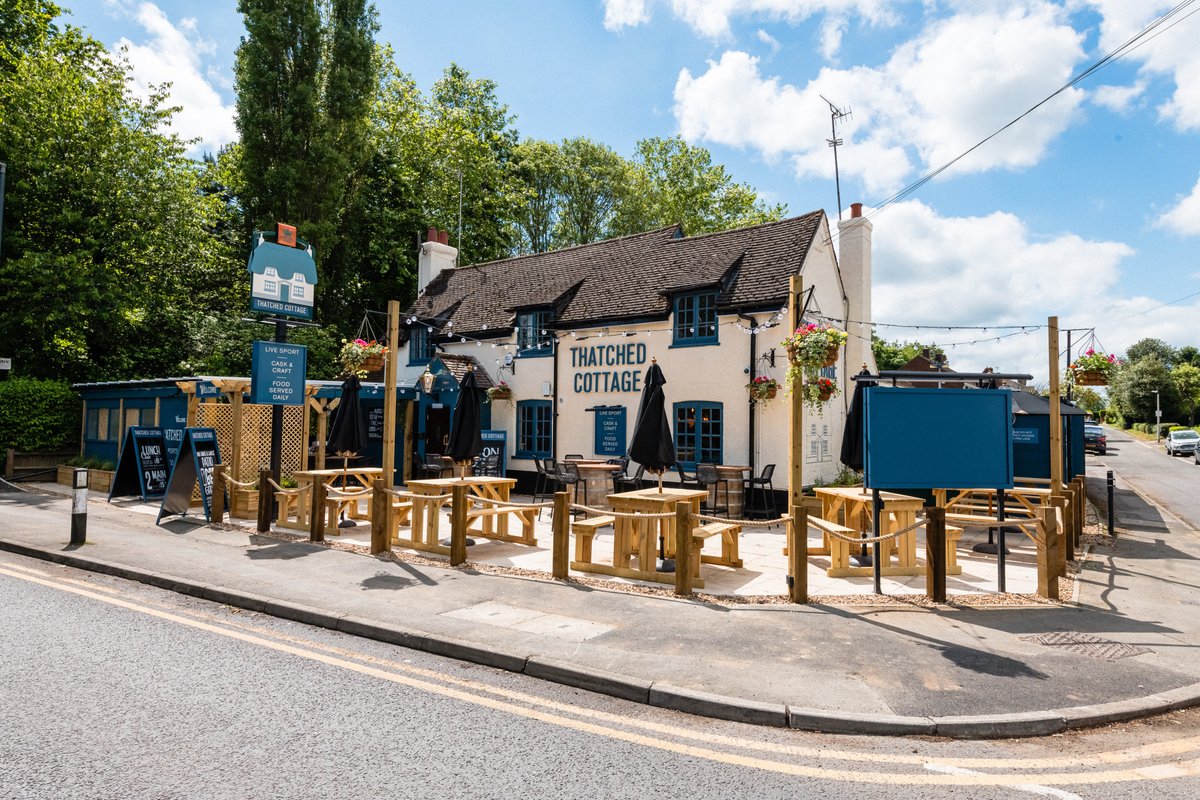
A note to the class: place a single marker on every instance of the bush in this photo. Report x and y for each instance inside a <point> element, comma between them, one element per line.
<point>38,415</point>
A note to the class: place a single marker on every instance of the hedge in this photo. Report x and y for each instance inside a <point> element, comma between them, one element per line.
<point>38,415</point>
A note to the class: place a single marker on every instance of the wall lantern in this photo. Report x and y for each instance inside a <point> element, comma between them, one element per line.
<point>427,381</point>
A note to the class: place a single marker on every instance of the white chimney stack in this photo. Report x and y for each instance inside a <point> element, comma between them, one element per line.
<point>854,259</point>
<point>436,255</point>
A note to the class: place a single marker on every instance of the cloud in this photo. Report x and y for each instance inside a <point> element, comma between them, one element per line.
<point>931,270</point>
<point>173,53</point>
<point>767,39</point>
<point>1118,98</point>
<point>624,14</point>
<point>962,79</point>
<point>1184,218</point>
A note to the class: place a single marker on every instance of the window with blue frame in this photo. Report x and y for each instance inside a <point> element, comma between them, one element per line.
<point>699,433</point>
<point>534,427</point>
<point>534,337</point>
<point>420,345</point>
<point>696,318</point>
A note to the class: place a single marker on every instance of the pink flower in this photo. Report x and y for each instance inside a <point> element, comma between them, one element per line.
<point>361,342</point>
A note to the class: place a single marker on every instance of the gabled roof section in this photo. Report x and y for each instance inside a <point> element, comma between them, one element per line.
<point>625,279</point>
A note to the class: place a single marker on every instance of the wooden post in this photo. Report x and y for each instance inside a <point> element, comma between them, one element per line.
<point>797,547</point>
<point>1047,553</point>
<point>458,525</point>
<point>381,518</point>
<point>408,440</point>
<point>1059,506</point>
<point>389,397</point>
<point>935,553</point>
<point>683,548</point>
<point>796,424</point>
<point>217,508</point>
<point>1069,501</point>
<point>316,522</point>
<point>236,409</point>
<point>1080,508</point>
<point>265,501</point>
<point>1056,443</point>
<point>83,427</point>
<point>560,523</point>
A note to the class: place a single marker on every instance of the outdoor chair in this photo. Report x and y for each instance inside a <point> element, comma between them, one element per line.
<point>686,478</point>
<point>432,466</point>
<point>710,480</point>
<point>573,457</point>
<point>625,483</point>
<point>623,463</point>
<point>765,493</point>
<point>567,475</point>
<point>541,482</point>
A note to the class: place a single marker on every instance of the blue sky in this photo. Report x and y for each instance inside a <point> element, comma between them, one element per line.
<point>1088,209</point>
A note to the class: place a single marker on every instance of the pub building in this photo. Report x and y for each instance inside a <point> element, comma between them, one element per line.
<point>572,332</point>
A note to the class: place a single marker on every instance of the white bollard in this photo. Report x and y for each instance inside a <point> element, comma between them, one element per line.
<point>79,507</point>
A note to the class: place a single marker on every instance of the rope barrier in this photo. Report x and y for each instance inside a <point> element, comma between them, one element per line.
<point>872,539</point>
<point>239,484</point>
<point>622,514</point>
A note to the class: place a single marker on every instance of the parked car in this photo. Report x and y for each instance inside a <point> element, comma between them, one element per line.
<point>1182,441</point>
<point>1094,438</point>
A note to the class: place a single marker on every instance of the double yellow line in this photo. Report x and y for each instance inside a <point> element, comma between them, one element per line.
<point>782,758</point>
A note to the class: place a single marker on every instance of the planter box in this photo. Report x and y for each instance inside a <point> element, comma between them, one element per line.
<point>65,476</point>
<point>100,480</point>
<point>245,503</point>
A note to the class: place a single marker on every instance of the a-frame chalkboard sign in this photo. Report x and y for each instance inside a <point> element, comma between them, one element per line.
<point>197,456</point>
<point>143,468</point>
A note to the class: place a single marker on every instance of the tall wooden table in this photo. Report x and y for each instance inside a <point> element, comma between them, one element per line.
<point>735,488</point>
<point>353,478</point>
<point>426,511</point>
<point>852,506</point>
<point>596,477</point>
<point>640,536</point>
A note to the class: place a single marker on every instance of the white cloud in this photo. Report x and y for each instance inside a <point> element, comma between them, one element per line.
<point>1118,98</point>
<point>1184,218</point>
<point>767,39</point>
<point>173,53</point>
<point>624,14</point>
<point>935,270</point>
<point>939,94</point>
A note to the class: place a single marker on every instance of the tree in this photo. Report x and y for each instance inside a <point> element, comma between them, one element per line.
<point>1089,400</point>
<point>894,355</point>
<point>540,172</point>
<point>102,215</point>
<point>674,182</point>
<point>1144,348</point>
<point>1132,389</point>
<point>306,76</point>
<point>1187,385</point>
<point>595,180</point>
<point>1188,355</point>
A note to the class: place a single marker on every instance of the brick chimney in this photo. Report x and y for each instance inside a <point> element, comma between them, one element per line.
<point>854,260</point>
<point>436,255</point>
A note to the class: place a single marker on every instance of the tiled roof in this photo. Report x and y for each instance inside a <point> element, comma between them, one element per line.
<point>625,279</point>
<point>457,365</point>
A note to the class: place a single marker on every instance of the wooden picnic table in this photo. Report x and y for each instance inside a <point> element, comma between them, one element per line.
<point>491,518</point>
<point>1020,507</point>
<point>352,479</point>
<point>851,506</point>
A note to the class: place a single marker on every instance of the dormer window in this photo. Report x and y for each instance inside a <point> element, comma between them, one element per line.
<point>420,345</point>
<point>696,319</point>
<point>297,278</point>
<point>271,272</point>
<point>534,337</point>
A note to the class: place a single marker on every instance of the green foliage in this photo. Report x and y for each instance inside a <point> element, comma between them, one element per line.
<point>1089,400</point>
<point>1145,348</point>
<point>894,355</point>
<point>845,477</point>
<point>1132,389</point>
<point>1187,384</point>
<point>222,345</point>
<point>91,462</point>
<point>38,415</point>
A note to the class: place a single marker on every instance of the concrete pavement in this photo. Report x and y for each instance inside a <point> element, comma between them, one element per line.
<point>1123,648</point>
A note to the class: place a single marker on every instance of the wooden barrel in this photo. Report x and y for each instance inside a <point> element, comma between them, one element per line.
<point>736,477</point>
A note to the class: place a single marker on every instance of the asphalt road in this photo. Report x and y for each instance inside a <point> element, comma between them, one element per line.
<point>1171,482</point>
<point>117,690</point>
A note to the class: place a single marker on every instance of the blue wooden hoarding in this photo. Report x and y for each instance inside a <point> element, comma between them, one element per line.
<point>938,438</point>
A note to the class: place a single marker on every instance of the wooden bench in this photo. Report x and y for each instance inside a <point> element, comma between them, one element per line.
<point>339,499</point>
<point>486,514</point>
<point>729,533</point>
<point>583,531</point>
<point>291,502</point>
<point>953,534</point>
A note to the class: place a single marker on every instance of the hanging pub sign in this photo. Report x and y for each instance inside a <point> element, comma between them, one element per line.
<point>277,372</point>
<point>283,274</point>
<point>143,468</point>
<point>198,455</point>
<point>610,431</point>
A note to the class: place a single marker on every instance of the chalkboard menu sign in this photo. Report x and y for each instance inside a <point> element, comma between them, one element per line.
<point>495,443</point>
<point>143,468</point>
<point>375,423</point>
<point>198,455</point>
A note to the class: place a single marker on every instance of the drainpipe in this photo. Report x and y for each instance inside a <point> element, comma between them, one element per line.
<point>753,374</point>
<point>553,401</point>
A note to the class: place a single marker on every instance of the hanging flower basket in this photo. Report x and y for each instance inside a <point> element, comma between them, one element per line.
<point>814,346</point>
<point>816,393</point>
<point>359,356</point>
<point>501,391</point>
<point>762,389</point>
<point>1093,369</point>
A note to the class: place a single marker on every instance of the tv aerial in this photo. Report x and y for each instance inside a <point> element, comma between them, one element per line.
<point>836,114</point>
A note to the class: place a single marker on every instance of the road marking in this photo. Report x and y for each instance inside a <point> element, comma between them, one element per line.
<point>523,706</point>
<point>1045,791</point>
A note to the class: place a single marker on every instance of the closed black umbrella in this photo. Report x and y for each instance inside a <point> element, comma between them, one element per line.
<point>852,436</point>
<point>348,433</point>
<point>653,446</point>
<point>465,439</point>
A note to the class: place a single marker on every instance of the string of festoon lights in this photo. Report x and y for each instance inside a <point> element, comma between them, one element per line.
<point>864,333</point>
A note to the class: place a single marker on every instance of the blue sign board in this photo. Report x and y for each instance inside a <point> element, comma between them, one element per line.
<point>198,456</point>
<point>938,438</point>
<point>495,442</point>
<point>283,280</point>
<point>610,431</point>
<point>277,373</point>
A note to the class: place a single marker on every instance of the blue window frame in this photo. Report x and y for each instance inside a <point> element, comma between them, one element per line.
<point>696,319</point>
<point>534,337</point>
<point>534,427</point>
<point>699,433</point>
<point>420,345</point>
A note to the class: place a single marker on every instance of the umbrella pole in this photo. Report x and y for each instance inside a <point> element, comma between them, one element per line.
<point>346,523</point>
